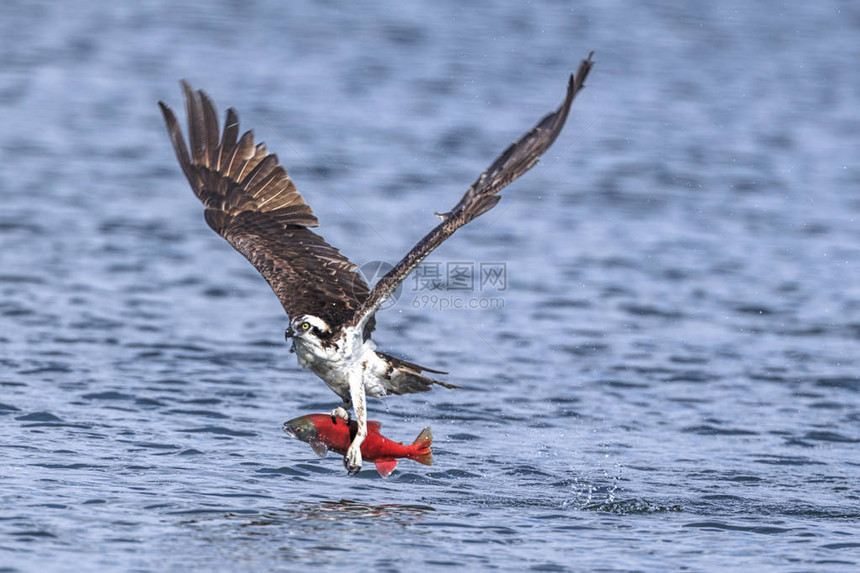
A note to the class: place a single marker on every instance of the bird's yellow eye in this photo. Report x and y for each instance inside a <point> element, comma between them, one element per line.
<point>306,325</point>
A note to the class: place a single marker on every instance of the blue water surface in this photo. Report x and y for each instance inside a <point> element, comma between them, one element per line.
<point>667,378</point>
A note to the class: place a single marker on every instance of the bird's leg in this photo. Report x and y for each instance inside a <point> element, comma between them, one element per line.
<point>352,460</point>
<point>341,412</point>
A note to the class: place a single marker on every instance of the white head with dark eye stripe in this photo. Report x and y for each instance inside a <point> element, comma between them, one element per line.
<point>307,327</point>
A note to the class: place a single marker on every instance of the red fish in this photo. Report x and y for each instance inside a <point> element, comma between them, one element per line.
<point>325,432</point>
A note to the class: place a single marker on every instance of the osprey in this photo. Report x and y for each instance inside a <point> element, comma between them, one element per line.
<point>251,201</point>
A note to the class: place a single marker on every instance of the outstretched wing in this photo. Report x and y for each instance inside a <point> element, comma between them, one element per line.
<point>252,202</point>
<point>521,156</point>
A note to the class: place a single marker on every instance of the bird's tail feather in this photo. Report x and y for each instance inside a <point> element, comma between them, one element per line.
<point>406,377</point>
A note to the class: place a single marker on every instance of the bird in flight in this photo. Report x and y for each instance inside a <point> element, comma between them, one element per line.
<point>251,201</point>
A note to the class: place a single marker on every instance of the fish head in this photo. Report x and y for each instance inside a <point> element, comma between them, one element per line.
<point>301,428</point>
<point>304,429</point>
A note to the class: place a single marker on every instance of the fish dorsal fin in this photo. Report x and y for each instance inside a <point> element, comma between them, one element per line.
<point>319,448</point>
<point>385,467</point>
<point>374,425</point>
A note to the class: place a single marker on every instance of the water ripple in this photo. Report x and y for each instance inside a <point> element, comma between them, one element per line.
<point>675,361</point>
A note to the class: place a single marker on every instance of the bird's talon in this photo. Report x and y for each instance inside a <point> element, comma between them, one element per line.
<point>352,460</point>
<point>350,468</point>
<point>339,412</point>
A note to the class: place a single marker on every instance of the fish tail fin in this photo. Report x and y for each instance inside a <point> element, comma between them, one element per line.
<point>421,448</point>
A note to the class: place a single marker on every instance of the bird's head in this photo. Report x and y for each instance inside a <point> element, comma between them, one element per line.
<point>308,328</point>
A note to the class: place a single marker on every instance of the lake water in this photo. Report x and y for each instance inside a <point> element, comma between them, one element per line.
<point>666,379</point>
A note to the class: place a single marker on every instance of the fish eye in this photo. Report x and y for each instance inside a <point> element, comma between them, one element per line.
<point>306,325</point>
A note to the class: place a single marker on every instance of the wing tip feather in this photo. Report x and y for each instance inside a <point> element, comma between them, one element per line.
<point>517,158</point>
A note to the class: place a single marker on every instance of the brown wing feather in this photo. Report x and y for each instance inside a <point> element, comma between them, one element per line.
<point>252,202</point>
<point>518,158</point>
